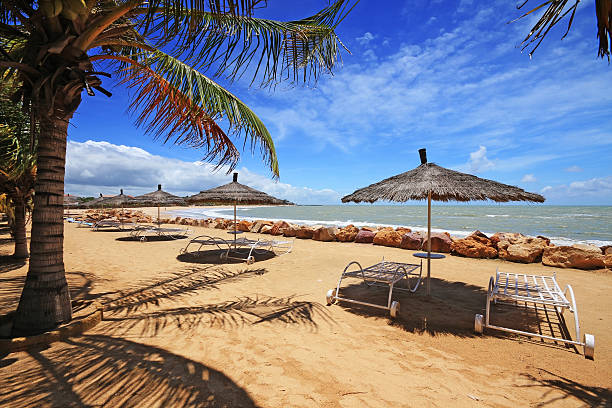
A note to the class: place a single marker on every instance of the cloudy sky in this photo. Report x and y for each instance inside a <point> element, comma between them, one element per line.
<point>445,75</point>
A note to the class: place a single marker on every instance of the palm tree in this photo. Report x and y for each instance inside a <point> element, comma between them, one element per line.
<point>17,165</point>
<point>158,49</point>
<point>556,11</point>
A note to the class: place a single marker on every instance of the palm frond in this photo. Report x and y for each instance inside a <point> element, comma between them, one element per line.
<point>604,27</point>
<point>174,101</point>
<point>232,44</point>
<point>557,10</point>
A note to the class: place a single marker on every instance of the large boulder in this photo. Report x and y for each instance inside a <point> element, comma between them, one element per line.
<point>476,245</point>
<point>326,234</point>
<point>347,234</point>
<point>265,229</point>
<point>244,226</point>
<point>403,230</point>
<point>440,242</point>
<point>608,261</point>
<point>257,225</point>
<point>388,237</point>
<point>606,250</point>
<point>577,256</point>
<point>364,236</point>
<point>291,230</point>
<point>305,232</point>
<point>412,240</point>
<point>278,227</point>
<point>515,247</point>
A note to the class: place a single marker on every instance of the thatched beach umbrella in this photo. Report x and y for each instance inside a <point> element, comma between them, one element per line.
<point>159,198</point>
<point>235,193</point>
<point>432,182</point>
<point>120,200</point>
<point>94,203</point>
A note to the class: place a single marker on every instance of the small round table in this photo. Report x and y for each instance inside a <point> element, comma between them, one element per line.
<point>431,256</point>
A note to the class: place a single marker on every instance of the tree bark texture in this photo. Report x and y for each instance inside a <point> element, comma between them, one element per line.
<point>45,299</point>
<point>21,243</point>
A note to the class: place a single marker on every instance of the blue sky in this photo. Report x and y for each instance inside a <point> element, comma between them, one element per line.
<point>445,75</point>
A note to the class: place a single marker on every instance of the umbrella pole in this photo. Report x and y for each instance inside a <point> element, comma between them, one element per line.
<point>158,223</point>
<point>235,227</point>
<point>428,242</point>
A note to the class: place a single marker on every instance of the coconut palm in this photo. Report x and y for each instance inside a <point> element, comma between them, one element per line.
<point>17,165</point>
<point>160,50</point>
<point>557,10</point>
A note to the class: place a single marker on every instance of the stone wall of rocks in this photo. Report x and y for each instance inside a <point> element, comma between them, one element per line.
<point>511,247</point>
<point>114,215</point>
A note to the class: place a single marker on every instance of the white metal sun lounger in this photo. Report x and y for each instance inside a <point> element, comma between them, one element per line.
<point>241,246</point>
<point>142,232</point>
<point>114,224</point>
<point>386,274</point>
<point>533,290</point>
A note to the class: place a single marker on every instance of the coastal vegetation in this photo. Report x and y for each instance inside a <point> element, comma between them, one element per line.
<point>17,165</point>
<point>159,50</point>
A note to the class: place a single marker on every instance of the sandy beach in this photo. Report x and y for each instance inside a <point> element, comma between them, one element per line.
<point>184,332</point>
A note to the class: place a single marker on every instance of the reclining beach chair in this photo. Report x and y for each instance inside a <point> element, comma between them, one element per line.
<point>114,224</point>
<point>142,232</point>
<point>241,248</point>
<point>533,291</point>
<point>385,274</point>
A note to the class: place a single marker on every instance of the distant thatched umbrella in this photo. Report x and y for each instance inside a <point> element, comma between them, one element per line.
<point>159,198</point>
<point>120,200</point>
<point>235,192</point>
<point>430,181</point>
<point>94,203</point>
<point>70,200</point>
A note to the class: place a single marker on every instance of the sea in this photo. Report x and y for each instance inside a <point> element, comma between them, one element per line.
<point>564,225</point>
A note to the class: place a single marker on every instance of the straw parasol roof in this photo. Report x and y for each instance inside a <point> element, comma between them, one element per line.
<point>444,185</point>
<point>432,182</point>
<point>116,201</point>
<point>235,192</point>
<point>70,200</point>
<point>159,197</point>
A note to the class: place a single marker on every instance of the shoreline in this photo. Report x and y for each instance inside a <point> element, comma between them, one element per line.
<point>195,212</point>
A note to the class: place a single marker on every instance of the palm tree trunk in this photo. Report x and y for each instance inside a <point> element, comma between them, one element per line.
<point>45,300</point>
<point>21,244</point>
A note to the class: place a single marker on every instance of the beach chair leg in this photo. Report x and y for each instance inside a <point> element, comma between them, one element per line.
<point>394,309</point>
<point>331,297</point>
<point>478,324</point>
<point>589,346</point>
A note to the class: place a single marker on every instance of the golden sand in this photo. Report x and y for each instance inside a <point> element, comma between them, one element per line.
<point>183,333</point>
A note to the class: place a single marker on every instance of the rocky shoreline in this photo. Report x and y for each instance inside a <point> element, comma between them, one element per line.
<point>507,246</point>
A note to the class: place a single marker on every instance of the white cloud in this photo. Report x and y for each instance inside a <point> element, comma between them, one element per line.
<point>467,86</point>
<point>598,189</point>
<point>479,162</point>
<point>529,178</point>
<point>102,167</point>
<point>365,38</point>
<point>574,169</point>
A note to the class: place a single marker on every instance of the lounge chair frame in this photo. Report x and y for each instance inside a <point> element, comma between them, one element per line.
<point>114,224</point>
<point>240,248</point>
<point>533,290</point>
<point>142,232</point>
<point>384,274</point>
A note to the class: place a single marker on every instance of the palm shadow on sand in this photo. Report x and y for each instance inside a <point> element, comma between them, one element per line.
<point>451,310</point>
<point>132,308</point>
<point>98,370</point>
<point>589,395</point>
